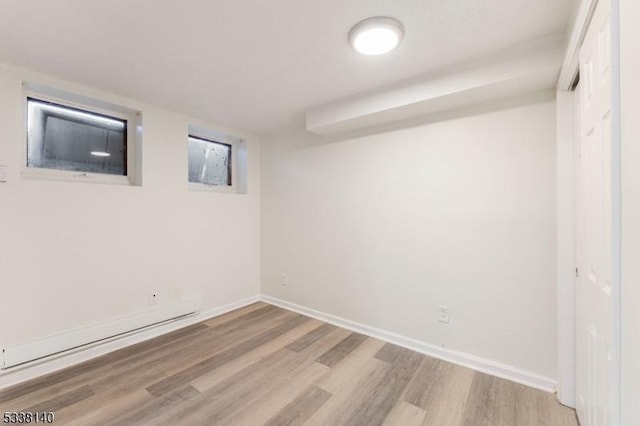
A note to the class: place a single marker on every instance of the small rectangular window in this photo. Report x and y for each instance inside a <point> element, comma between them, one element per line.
<point>209,162</point>
<point>69,138</point>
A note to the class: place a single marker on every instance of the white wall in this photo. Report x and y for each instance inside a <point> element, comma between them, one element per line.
<point>630,138</point>
<point>72,254</point>
<point>459,211</point>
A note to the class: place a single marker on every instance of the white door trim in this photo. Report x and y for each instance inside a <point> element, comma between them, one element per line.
<point>570,63</point>
<point>616,213</point>
<point>565,239</point>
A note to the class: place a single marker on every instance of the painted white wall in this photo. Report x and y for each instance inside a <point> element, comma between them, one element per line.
<point>73,254</point>
<point>458,210</point>
<point>630,156</point>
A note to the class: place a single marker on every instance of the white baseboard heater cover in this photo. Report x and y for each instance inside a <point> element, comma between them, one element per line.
<point>67,340</point>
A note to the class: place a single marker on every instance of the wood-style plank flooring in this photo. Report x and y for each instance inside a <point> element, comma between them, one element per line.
<point>262,365</point>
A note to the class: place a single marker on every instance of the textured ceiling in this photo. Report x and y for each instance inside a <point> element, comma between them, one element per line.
<point>255,64</point>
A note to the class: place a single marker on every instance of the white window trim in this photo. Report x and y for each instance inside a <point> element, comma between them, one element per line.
<point>37,92</point>
<point>211,135</point>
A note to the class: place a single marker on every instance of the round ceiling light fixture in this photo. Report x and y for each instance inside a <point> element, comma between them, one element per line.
<point>375,36</point>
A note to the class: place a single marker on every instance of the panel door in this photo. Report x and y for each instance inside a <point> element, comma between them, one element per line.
<point>594,322</point>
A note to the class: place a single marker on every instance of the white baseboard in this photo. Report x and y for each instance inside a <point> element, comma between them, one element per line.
<point>471,361</point>
<point>57,362</point>
<point>66,359</point>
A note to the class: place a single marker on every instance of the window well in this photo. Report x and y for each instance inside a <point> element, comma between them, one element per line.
<point>68,138</point>
<point>209,162</point>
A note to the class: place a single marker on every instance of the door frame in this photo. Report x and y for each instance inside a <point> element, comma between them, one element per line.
<point>565,207</point>
<point>566,144</point>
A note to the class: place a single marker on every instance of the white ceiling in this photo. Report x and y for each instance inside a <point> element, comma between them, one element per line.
<point>256,64</point>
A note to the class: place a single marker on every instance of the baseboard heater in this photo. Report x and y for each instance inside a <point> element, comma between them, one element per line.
<point>36,349</point>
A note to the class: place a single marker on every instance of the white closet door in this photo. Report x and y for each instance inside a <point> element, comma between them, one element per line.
<point>594,322</point>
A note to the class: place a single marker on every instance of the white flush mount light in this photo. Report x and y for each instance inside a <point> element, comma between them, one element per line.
<point>375,36</point>
<point>100,154</point>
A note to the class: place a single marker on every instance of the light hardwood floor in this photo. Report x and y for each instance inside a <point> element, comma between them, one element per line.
<point>265,365</point>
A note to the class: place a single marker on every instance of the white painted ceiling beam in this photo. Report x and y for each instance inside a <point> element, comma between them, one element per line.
<point>528,68</point>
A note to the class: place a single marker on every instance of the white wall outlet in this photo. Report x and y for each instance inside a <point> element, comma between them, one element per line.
<point>283,280</point>
<point>443,314</point>
<point>153,299</point>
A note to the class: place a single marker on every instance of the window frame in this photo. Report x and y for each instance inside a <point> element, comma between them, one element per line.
<point>82,104</point>
<point>215,137</point>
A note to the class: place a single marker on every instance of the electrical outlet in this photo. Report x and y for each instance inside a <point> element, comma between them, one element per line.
<point>443,314</point>
<point>283,279</point>
<point>153,299</point>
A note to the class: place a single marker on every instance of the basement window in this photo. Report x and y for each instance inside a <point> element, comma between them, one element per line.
<point>217,161</point>
<point>65,138</point>
<point>72,137</point>
<point>210,162</point>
